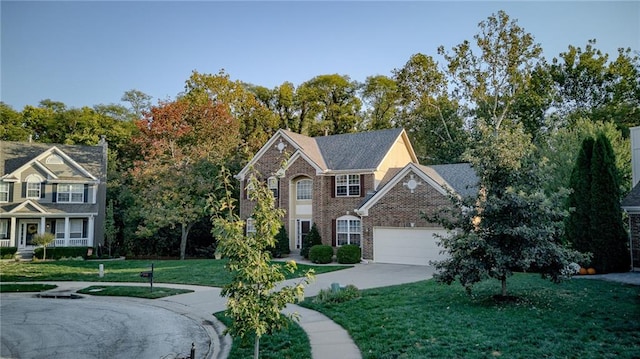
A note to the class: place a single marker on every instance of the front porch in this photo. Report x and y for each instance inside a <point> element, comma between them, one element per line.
<point>68,231</point>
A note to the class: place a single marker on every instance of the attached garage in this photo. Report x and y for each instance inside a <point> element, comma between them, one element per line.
<point>415,246</point>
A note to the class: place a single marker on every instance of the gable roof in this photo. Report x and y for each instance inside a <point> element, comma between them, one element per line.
<point>631,203</point>
<point>16,156</point>
<point>362,151</point>
<point>460,177</point>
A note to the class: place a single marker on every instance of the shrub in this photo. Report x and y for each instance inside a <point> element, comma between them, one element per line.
<point>59,252</point>
<point>8,252</point>
<point>282,244</point>
<point>321,254</point>
<point>349,254</point>
<point>312,239</point>
<point>337,296</point>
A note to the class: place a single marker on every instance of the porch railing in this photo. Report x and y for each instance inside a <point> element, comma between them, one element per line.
<point>4,243</point>
<point>76,242</point>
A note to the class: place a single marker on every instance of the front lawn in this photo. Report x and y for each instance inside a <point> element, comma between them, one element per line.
<point>206,272</point>
<point>576,319</point>
<point>129,291</point>
<point>20,288</point>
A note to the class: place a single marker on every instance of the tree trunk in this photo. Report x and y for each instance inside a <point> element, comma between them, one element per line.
<point>256,347</point>
<point>504,286</point>
<point>183,240</point>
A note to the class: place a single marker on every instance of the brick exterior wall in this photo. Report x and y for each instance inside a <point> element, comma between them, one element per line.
<point>399,208</point>
<point>634,227</point>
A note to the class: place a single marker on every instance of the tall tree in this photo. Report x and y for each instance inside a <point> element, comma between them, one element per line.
<point>610,251</point>
<point>253,303</point>
<point>429,115</point>
<point>380,96</point>
<point>139,102</point>
<point>12,126</point>
<point>183,145</point>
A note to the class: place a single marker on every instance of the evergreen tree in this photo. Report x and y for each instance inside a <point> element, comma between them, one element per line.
<point>609,238</point>
<point>313,238</point>
<point>579,201</point>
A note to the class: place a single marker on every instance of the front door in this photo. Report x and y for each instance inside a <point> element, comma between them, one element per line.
<point>28,229</point>
<point>302,229</point>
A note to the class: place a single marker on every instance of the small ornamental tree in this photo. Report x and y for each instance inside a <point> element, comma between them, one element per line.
<point>312,239</point>
<point>43,239</point>
<point>253,303</point>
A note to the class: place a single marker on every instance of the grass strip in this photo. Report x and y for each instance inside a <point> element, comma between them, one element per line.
<point>130,291</point>
<point>18,288</point>
<point>576,319</point>
<point>206,272</point>
<point>289,343</point>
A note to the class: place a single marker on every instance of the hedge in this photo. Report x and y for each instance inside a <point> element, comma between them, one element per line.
<point>349,254</point>
<point>61,252</point>
<point>8,252</point>
<point>321,254</point>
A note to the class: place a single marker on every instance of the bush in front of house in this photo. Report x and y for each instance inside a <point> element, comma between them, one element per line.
<point>337,296</point>
<point>321,254</point>
<point>312,239</point>
<point>281,248</point>
<point>61,252</point>
<point>349,254</point>
<point>8,252</point>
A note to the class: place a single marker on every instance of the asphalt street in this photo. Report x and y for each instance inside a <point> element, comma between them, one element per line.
<point>95,328</point>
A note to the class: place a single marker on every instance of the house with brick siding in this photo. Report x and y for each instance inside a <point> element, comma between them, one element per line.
<point>631,203</point>
<point>366,189</point>
<point>60,189</point>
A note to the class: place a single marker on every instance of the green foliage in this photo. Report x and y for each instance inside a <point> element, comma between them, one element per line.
<point>43,239</point>
<point>327,296</point>
<point>577,227</point>
<point>110,229</point>
<point>61,252</point>
<point>313,238</point>
<point>130,291</point>
<point>349,254</point>
<point>282,244</point>
<point>21,288</point>
<point>7,252</point>
<point>253,302</point>
<point>321,254</point>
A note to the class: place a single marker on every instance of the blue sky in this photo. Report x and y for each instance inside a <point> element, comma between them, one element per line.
<point>87,53</point>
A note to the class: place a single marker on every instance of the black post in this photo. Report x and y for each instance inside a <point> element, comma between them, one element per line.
<point>151,278</point>
<point>193,351</point>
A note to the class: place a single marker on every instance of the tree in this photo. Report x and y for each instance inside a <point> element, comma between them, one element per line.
<point>511,225</point>
<point>430,117</point>
<point>312,239</point>
<point>253,303</point>
<point>139,101</point>
<point>577,227</point>
<point>43,239</point>
<point>11,125</point>
<point>183,146</point>
<point>380,96</point>
<point>110,229</point>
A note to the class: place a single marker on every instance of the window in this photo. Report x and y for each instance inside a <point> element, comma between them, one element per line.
<point>33,186</point>
<point>60,228</point>
<point>304,189</point>
<point>4,228</point>
<point>347,185</point>
<point>4,192</point>
<point>73,193</point>
<point>348,230</point>
<point>251,226</point>
<point>76,228</point>
<point>272,183</point>
<point>54,160</point>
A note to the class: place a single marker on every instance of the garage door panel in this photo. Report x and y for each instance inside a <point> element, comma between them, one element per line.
<point>416,246</point>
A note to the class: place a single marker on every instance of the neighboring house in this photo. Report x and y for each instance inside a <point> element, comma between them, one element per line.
<point>364,188</point>
<point>631,203</point>
<point>59,189</point>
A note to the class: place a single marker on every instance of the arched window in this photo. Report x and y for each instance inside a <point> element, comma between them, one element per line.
<point>54,160</point>
<point>304,189</point>
<point>348,230</point>
<point>34,186</point>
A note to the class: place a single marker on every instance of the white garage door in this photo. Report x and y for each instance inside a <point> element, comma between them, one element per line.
<point>415,246</point>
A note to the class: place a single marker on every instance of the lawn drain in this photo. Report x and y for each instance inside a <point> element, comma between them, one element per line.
<point>59,296</point>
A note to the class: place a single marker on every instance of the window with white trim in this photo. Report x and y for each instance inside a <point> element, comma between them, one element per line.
<point>347,185</point>
<point>60,228</point>
<point>272,184</point>
<point>72,193</point>
<point>348,230</point>
<point>4,228</point>
<point>304,189</point>
<point>250,226</point>
<point>4,192</point>
<point>54,160</point>
<point>76,228</point>
<point>34,186</point>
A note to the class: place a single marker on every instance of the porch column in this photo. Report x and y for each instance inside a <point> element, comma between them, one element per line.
<point>90,234</point>
<point>12,233</point>
<point>42,228</point>
<point>66,231</point>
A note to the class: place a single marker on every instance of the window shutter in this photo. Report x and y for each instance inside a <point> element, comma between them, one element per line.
<point>84,228</point>
<point>362,191</point>
<point>53,226</point>
<point>333,232</point>
<point>24,189</point>
<point>86,193</point>
<point>333,186</point>
<point>54,195</point>
<point>10,192</point>
<point>42,188</point>
<point>8,229</point>
<point>244,189</point>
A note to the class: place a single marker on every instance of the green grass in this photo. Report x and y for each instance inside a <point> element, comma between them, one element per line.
<point>129,291</point>
<point>576,319</point>
<point>206,272</point>
<point>289,343</point>
<point>17,288</point>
